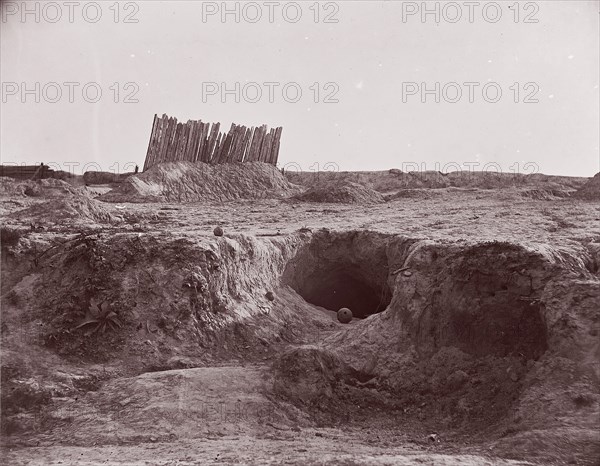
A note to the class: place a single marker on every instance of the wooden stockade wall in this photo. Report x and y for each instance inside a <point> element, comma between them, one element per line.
<point>196,141</point>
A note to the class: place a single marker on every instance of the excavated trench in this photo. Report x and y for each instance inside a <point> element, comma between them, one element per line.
<point>458,334</point>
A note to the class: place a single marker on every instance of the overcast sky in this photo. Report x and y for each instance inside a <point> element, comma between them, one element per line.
<point>375,118</point>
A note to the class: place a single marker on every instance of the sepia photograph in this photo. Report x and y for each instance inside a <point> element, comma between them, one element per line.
<point>305,233</point>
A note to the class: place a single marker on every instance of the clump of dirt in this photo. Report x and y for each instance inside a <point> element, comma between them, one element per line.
<point>193,182</point>
<point>76,208</point>
<point>591,190</point>
<point>49,187</point>
<point>346,192</point>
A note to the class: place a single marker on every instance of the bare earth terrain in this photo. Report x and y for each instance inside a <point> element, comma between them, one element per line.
<point>132,334</point>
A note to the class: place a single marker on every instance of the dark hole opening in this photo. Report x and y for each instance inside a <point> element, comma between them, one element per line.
<point>336,288</point>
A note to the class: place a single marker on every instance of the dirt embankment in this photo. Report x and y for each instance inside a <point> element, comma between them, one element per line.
<point>78,208</point>
<point>46,188</point>
<point>93,177</point>
<point>590,190</point>
<point>470,339</point>
<point>193,182</point>
<point>52,201</point>
<point>393,180</point>
<point>491,340</point>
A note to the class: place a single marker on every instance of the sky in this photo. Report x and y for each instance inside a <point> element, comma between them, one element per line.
<point>369,73</point>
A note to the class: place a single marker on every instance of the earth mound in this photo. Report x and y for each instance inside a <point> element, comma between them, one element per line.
<point>78,208</point>
<point>41,188</point>
<point>479,368</point>
<point>346,192</point>
<point>590,190</point>
<point>93,177</point>
<point>394,180</point>
<point>545,194</point>
<point>193,182</point>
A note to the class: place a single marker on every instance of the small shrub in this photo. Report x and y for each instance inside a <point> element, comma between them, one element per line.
<point>100,317</point>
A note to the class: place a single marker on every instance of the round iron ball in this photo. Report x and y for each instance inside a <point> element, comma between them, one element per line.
<point>218,231</point>
<point>344,315</point>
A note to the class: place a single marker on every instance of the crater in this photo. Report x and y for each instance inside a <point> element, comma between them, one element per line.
<point>342,270</point>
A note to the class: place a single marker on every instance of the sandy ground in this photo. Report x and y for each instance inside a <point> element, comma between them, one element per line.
<point>452,214</point>
<point>341,448</point>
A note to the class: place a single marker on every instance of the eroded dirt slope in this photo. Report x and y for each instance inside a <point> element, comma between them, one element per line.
<point>146,338</point>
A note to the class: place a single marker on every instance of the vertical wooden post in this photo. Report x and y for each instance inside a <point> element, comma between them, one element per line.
<point>150,150</point>
<point>257,143</point>
<point>238,140</point>
<point>248,145</point>
<point>203,143</point>
<point>166,140</point>
<point>275,148</point>
<point>214,135</point>
<point>224,152</point>
<point>189,142</point>
<point>243,142</point>
<point>172,152</point>
<point>263,135</point>
<point>265,147</point>
<point>217,148</point>
<point>154,146</point>
<point>185,134</point>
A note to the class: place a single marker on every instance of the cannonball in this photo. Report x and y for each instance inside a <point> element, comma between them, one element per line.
<point>218,231</point>
<point>344,315</point>
<point>270,296</point>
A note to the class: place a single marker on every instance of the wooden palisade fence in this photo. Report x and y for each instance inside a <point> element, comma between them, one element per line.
<point>196,141</point>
